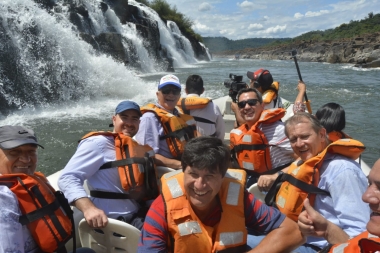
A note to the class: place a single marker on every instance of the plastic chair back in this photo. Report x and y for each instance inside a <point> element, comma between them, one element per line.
<point>106,241</point>
<point>254,189</point>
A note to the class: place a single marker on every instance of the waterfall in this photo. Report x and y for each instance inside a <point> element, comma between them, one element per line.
<point>79,50</point>
<point>168,38</point>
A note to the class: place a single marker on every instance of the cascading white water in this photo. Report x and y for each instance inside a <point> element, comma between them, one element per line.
<point>167,40</point>
<point>206,49</point>
<point>57,66</point>
<point>185,44</point>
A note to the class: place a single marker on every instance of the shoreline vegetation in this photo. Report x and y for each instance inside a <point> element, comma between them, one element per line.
<point>356,43</point>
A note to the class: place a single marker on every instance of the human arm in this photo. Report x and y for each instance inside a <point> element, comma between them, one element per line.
<point>14,237</point>
<point>86,161</point>
<point>95,217</point>
<point>239,119</point>
<point>265,182</point>
<point>282,234</point>
<point>154,233</point>
<point>299,105</point>
<point>161,160</point>
<point>312,223</point>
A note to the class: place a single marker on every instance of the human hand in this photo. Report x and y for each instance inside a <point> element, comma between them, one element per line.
<point>265,182</point>
<point>95,217</point>
<point>312,223</point>
<point>234,107</point>
<point>301,86</point>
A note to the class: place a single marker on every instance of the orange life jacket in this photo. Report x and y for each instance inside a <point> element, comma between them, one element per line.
<point>187,229</point>
<point>289,198</point>
<point>136,168</point>
<point>363,243</point>
<point>251,146</point>
<point>45,212</point>
<point>191,103</point>
<point>187,104</point>
<point>271,93</point>
<point>178,129</point>
<point>335,135</point>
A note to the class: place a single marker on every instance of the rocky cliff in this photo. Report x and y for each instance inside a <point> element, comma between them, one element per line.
<point>362,51</point>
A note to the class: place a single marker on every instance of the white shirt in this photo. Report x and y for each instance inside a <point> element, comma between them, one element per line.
<point>210,112</point>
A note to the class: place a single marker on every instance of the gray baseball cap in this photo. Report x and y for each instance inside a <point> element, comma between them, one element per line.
<point>15,136</point>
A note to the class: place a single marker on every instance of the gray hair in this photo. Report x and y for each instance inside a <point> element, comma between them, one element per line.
<point>303,117</point>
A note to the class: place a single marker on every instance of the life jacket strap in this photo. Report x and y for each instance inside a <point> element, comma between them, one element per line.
<point>38,214</point>
<point>309,188</point>
<point>186,132</point>
<point>203,120</point>
<point>240,248</point>
<point>123,162</point>
<point>242,147</point>
<point>109,195</point>
<point>268,172</point>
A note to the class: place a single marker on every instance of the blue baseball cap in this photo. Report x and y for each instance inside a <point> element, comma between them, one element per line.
<point>127,105</point>
<point>169,80</point>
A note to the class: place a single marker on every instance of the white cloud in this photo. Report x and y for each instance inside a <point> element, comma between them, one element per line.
<point>275,29</point>
<point>201,28</point>
<point>298,15</point>
<point>245,4</point>
<point>204,7</point>
<point>316,13</point>
<point>255,26</point>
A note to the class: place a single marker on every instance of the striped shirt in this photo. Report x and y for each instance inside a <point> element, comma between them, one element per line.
<point>282,152</point>
<point>259,218</point>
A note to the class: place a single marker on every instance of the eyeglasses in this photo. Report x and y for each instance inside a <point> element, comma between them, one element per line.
<point>250,102</point>
<point>167,90</point>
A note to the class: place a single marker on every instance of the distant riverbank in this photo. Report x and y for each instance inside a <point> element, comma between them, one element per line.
<point>362,51</point>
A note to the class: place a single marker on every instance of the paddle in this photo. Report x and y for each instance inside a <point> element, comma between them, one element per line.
<point>294,56</point>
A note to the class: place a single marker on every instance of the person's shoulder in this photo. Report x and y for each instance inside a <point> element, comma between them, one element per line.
<point>338,163</point>
<point>100,139</point>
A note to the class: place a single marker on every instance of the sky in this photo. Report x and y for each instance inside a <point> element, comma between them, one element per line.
<point>270,18</point>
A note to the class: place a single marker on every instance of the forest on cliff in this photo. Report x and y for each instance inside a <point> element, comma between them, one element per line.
<point>367,25</point>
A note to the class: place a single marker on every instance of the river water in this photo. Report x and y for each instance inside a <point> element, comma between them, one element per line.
<point>60,126</point>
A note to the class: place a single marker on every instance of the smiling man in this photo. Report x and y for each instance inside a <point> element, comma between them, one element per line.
<point>205,208</point>
<point>163,127</point>
<point>312,223</point>
<point>114,182</point>
<point>328,169</point>
<point>260,145</point>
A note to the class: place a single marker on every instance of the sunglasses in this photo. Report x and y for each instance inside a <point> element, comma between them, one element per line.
<point>250,102</point>
<point>167,90</point>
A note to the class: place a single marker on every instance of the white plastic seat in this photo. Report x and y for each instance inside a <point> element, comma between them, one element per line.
<point>161,170</point>
<point>254,189</point>
<point>107,242</point>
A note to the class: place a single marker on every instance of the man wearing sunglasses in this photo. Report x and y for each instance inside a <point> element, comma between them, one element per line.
<point>163,127</point>
<point>260,145</point>
<point>261,80</point>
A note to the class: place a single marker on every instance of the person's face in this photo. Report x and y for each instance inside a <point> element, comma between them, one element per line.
<point>22,159</point>
<point>372,197</point>
<point>251,114</point>
<point>201,187</point>
<point>306,143</point>
<point>168,96</point>
<point>126,122</point>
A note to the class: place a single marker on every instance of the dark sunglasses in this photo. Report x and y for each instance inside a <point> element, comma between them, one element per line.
<point>166,91</point>
<point>250,102</point>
